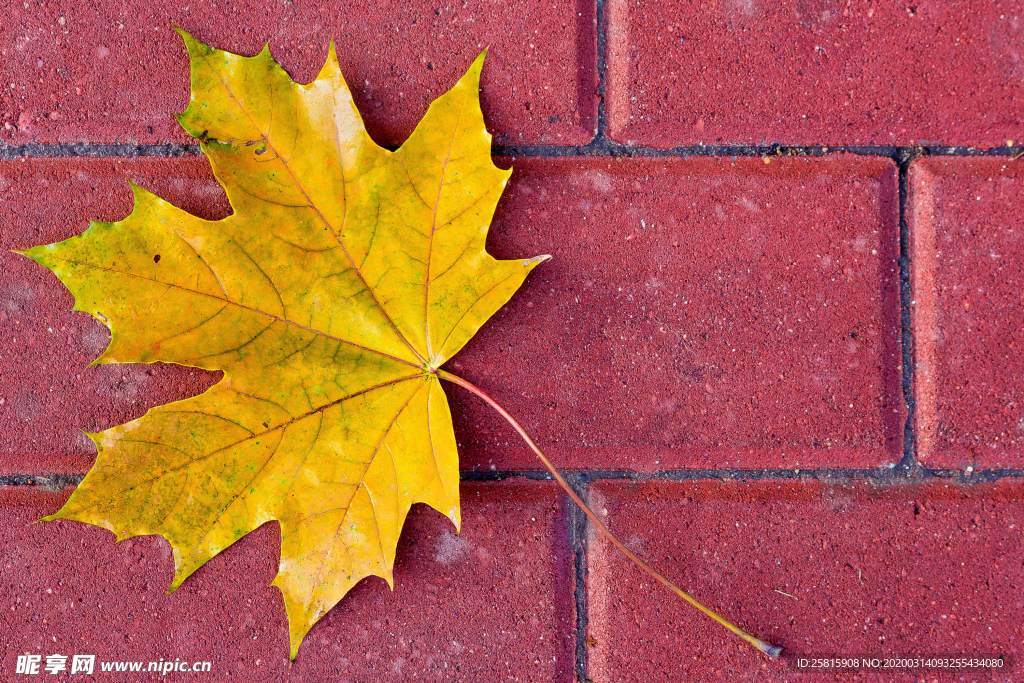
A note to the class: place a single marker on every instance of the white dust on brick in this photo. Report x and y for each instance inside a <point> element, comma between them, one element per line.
<point>451,548</point>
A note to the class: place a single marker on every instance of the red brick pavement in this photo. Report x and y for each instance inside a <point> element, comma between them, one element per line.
<point>790,377</point>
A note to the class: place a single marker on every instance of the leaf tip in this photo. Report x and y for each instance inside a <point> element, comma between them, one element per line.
<point>477,66</point>
<point>37,253</point>
<point>330,71</point>
<point>93,436</point>
<point>193,46</point>
<point>179,578</point>
<point>296,634</point>
<point>103,358</point>
<point>134,188</point>
<point>140,195</point>
<point>185,36</point>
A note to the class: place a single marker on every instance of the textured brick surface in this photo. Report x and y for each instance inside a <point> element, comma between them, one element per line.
<point>901,570</point>
<point>116,71</point>
<point>700,313</point>
<point>697,313</point>
<point>816,72</point>
<point>492,604</point>
<point>968,241</point>
<point>750,321</point>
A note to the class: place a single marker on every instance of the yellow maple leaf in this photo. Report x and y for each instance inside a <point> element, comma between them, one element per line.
<point>346,275</point>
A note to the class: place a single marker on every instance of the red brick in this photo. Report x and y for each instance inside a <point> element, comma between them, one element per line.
<point>495,603</point>
<point>931,569</point>
<point>816,72</point>
<point>48,392</point>
<point>697,313</point>
<point>968,260</point>
<point>735,253</point>
<point>116,71</point>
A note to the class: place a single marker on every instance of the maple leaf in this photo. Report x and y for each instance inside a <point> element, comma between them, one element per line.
<point>346,275</point>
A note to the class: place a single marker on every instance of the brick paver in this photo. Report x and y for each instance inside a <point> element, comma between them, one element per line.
<point>816,568</point>
<point>811,72</point>
<point>697,313</point>
<point>493,603</point>
<point>968,238</point>
<point>708,327</point>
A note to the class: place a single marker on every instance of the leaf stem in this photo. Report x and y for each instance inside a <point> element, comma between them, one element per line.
<point>772,651</point>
